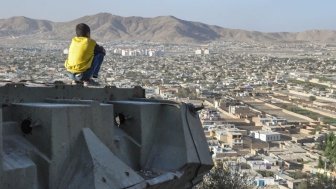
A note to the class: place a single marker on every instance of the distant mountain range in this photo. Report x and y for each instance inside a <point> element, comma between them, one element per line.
<point>108,27</point>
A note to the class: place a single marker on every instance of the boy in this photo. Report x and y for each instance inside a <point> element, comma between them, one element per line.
<point>85,57</point>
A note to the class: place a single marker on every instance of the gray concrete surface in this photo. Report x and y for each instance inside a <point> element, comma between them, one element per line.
<point>62,136</point>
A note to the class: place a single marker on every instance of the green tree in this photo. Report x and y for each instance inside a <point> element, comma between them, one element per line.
<point>330,149</point>
<point>320,162</point>
<point>222,177</point>
<point>320,181</point>
<point>186,92</point>
<point>312,98</point>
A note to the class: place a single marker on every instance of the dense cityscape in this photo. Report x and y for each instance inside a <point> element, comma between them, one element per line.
<point>269,109</point>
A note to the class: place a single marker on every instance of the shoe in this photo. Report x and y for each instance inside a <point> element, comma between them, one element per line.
<point>78,76</point>
<point>90,82</point>
<point>74,82</point>
<point>95,76</point>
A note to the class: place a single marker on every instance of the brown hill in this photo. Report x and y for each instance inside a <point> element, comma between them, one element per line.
<point>108,27</point>
<point>17,26</point>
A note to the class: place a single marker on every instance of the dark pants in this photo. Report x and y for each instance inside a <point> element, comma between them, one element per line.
<point>92,71</point>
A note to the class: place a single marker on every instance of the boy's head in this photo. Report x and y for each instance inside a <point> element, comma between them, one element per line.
<point>82,30</point>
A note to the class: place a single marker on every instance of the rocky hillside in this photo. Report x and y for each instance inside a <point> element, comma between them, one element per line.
<point>108,27</point>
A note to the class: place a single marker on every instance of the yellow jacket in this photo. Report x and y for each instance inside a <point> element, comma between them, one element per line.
<point>81,54</point>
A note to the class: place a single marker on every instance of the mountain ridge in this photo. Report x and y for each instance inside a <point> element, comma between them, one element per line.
<point>108,27</point>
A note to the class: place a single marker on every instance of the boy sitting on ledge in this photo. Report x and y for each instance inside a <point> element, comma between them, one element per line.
<point>85,57</point>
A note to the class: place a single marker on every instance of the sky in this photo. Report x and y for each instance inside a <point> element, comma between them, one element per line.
<point>256,15</point>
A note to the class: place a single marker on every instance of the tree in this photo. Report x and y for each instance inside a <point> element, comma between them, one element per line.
<point>315,181</point>
<point>330,149</point>
<point>186,92</point>
<point>320,162</point>
<point>222,177</point>
<point>312,98</point>
<point>320,181</point>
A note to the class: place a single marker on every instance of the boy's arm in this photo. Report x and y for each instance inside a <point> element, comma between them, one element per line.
<point>99,49</point>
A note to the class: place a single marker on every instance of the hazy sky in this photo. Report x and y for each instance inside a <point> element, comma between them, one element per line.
<point>261,15</point>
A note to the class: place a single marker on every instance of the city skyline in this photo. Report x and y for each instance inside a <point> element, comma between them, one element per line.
<point>255,15</point>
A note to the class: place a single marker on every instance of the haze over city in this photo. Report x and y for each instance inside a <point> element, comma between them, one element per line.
<point>258,15</point>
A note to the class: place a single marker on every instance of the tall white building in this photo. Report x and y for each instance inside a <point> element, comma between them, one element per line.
<point>198,52</point>
<point>202,52</point>
<point>206,51</point>
<point>267,136</point>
